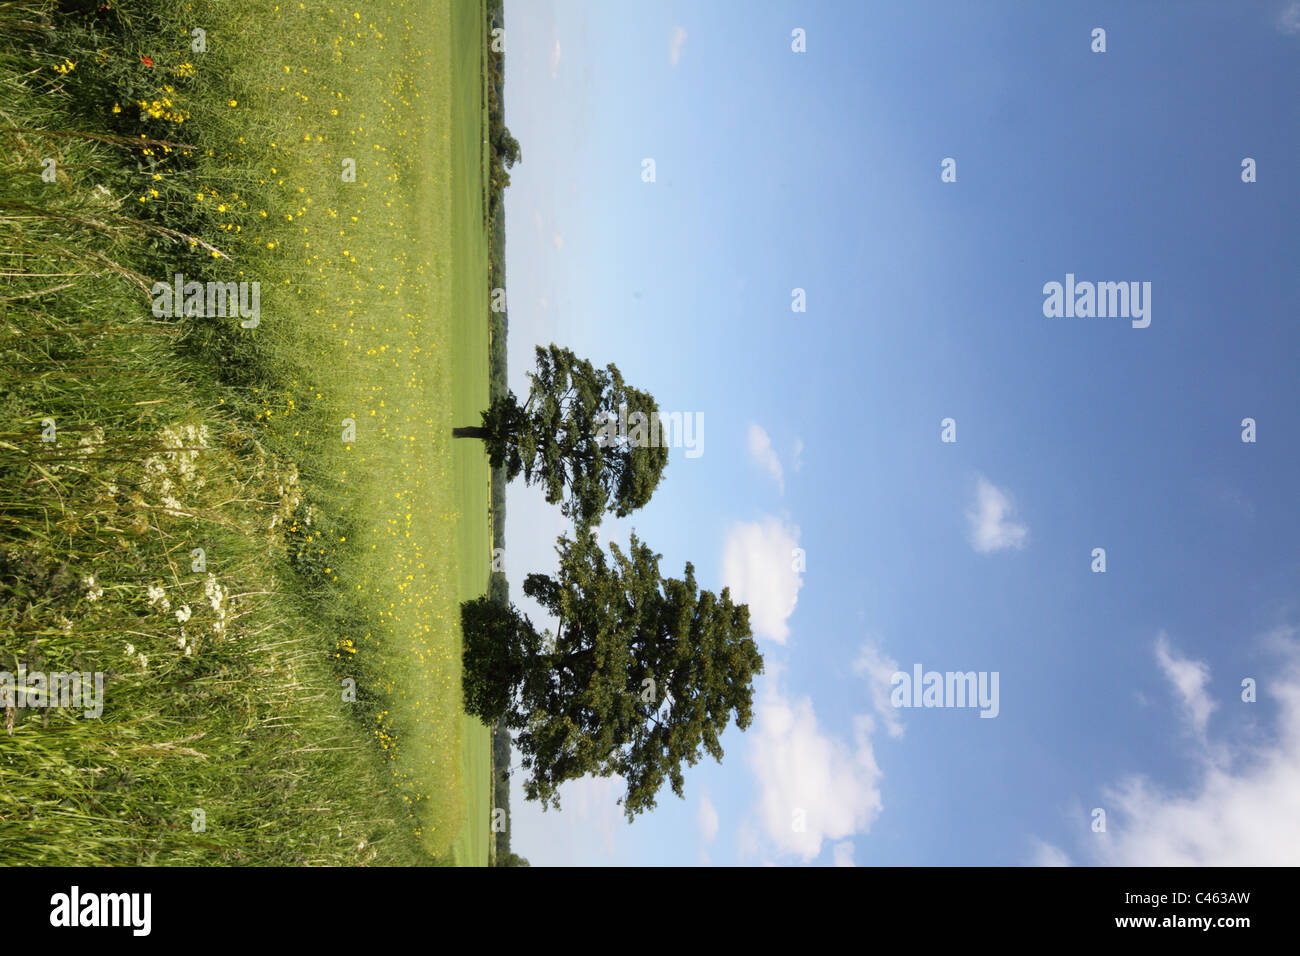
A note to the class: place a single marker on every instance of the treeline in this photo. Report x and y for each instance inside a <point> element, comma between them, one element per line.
<point>501,796</point>
<point>504,154</point>
<point>505,148</point>
<point>498,317</point>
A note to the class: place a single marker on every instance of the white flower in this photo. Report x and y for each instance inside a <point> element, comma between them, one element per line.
<point>215,594</point>
<point>130,650</point>
<point>93,591</point>
<point>183,613</point>
<point>158,597</point>
<point>186,643</point>
<point>87,442</point>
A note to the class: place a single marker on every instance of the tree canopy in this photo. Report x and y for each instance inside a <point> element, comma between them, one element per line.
<point>553,438</point>
<point>506,147</point>
<point>642,674</point>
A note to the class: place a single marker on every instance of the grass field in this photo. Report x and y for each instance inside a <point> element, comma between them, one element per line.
<point>470,386</point>
<point>310,457</point>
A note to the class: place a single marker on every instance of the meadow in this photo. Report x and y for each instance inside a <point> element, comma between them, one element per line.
<point>239,525</point>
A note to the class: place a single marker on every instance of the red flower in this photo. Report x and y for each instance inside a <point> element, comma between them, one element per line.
<point>147,61</point>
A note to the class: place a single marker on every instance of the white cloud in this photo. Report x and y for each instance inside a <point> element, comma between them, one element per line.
<point>763,455</point>
<point>1191,680</point>
<point>1047,855</point>
<point>557,240</point>
<point>675,45</point>
<point>878,670</point>
<point>1235,814</point>
<point>1289,20</point>
<point>758,566</point>
<point>991,527</point>
<point>796,463</point>
<point>555,56</point>
<point>842,854</point>
<point>707,818</point>
<point>806,777</point>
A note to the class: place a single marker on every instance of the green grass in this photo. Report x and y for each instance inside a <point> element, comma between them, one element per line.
<point>374,308</point>
<point>469,396</point>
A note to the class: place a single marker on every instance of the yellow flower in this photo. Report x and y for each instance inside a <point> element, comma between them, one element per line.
<point>117,108</point>
<point>234,102</point>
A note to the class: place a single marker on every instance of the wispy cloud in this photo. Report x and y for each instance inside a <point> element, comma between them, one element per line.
<point>758,567</point>
<point>1191,679</point>
<point>1288,20</point>
<point>556,53</point>
<point>762,454</point>
<point>1045,854</point>
<point>675,46</point>
<point>879,669</point>
<point>991,524</point>
<point>1241,811</point>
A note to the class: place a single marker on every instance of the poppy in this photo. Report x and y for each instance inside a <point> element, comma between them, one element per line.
<point>146,60</point>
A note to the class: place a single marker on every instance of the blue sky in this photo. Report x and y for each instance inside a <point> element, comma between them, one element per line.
<point>820,170</point>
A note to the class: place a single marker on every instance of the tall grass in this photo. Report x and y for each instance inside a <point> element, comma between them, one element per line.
<point>325,559</point>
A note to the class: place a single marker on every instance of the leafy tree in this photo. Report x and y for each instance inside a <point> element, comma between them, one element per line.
<point>498,178</point>
<point>509,858</point>
<point>642,673</point>
<point>506,147</point>
<point>499,645</point>
<point>564,438</point>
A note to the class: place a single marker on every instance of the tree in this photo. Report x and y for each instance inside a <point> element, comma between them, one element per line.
<point>499,643</point>
<point>642,673</point>
<point>563,437</point>
<point>506,147</point>
<point>498,179</point>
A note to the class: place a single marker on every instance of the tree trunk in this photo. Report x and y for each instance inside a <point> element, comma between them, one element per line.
<point>470,431</point>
